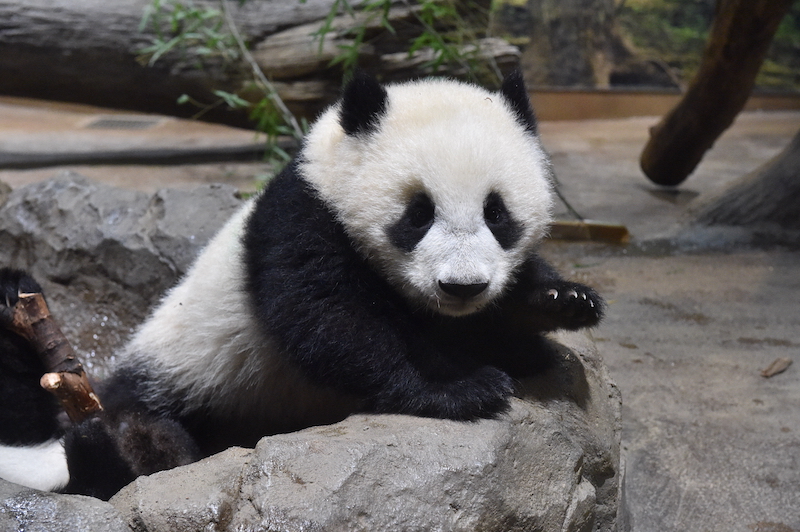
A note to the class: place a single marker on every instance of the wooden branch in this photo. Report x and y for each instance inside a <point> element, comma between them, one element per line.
<point>740,37</point>
<point>65,377</point>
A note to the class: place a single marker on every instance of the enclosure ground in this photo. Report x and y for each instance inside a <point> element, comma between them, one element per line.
<point>709,443</point>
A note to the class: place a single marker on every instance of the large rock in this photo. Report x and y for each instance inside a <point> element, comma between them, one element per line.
<point>28,510</point>
<point>551,463</point>
<point>70,226</point>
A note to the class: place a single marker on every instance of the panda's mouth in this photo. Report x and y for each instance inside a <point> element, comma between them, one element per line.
<point>457,308</point>
<point>462,291</point>
<point>460,299</point>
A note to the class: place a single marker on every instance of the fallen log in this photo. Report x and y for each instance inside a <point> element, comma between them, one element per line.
<point>86,51</point>
<point>90,52</point>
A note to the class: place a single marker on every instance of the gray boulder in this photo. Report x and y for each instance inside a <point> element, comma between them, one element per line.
<point>551,463</point>
<point>24,509</point>
<point>71,226</point>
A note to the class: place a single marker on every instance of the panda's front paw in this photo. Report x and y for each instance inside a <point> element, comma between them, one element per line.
<point>483,393</point>
<point>570,305</point>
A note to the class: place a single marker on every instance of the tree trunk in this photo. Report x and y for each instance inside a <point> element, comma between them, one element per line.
<point>86,51</point>
<point>565,43</point>
<point>769,195</point>
<point>740,37</point>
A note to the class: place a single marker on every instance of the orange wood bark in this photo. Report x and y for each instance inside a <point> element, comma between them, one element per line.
<point>66,378</point>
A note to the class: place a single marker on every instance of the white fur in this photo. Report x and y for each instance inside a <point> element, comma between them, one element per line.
<point>42,467</point>
<point>457,143</point>
<point>204,344</point>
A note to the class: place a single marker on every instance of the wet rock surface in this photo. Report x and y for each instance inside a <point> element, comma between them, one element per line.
<point>104,254</point>
<point>36,511</point>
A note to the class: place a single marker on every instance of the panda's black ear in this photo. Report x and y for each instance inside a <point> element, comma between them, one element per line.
<point>364,101</point>
<point>515,93</point>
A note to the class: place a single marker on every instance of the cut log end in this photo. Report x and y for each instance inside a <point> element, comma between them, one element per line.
<point>74,392</point>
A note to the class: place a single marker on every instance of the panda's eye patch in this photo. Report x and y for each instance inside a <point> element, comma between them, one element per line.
<point>420,210</point>
<point>406,232</point>
<point>499,221</point>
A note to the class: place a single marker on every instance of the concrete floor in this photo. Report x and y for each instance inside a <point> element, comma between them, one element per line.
<point>709,444</point>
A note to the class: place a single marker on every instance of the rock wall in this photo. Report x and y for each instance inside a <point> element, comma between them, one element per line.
<point>105,255</point>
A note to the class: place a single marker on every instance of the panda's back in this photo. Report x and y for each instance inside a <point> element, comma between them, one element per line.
<point>202,356</point>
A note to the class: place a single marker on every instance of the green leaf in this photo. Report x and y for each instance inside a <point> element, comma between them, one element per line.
<point>232,100</point>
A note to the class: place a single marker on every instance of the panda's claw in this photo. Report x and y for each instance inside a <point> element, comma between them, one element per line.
<point>580,307</point>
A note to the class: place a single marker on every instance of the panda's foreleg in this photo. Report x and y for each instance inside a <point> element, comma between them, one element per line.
<point>342,324</point>
<point>378,352</point>
<point>447,392</point>
<point>345,330</point>
<point>544,300</point>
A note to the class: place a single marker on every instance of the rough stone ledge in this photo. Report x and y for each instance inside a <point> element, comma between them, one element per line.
<point>104,255</point>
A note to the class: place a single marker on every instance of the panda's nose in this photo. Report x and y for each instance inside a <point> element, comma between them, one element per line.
<point>463,291</point>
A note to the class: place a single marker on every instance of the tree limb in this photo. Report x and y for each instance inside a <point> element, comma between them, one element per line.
<point>740,37</point>
<point>65,377</point>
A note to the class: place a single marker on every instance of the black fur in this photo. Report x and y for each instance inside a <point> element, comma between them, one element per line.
<point>417,219</point>
<point>515,93</point>
<point>506,230</point>
<point>364,102</point>
<point>28,411</point>
<point>106,452</point>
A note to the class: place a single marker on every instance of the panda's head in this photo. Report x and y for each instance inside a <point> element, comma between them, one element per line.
<point>443,186</point>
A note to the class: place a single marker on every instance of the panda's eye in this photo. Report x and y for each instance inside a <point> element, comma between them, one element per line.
<point>420,211</point>
<point>493,214</point>
<point>499,221</point>
<point>494,210</point>
<point>412,227</point>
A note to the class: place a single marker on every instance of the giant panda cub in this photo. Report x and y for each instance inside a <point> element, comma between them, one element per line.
<point>390,268</point>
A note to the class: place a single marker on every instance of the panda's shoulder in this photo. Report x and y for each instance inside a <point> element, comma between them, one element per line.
<point>288,207</point>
